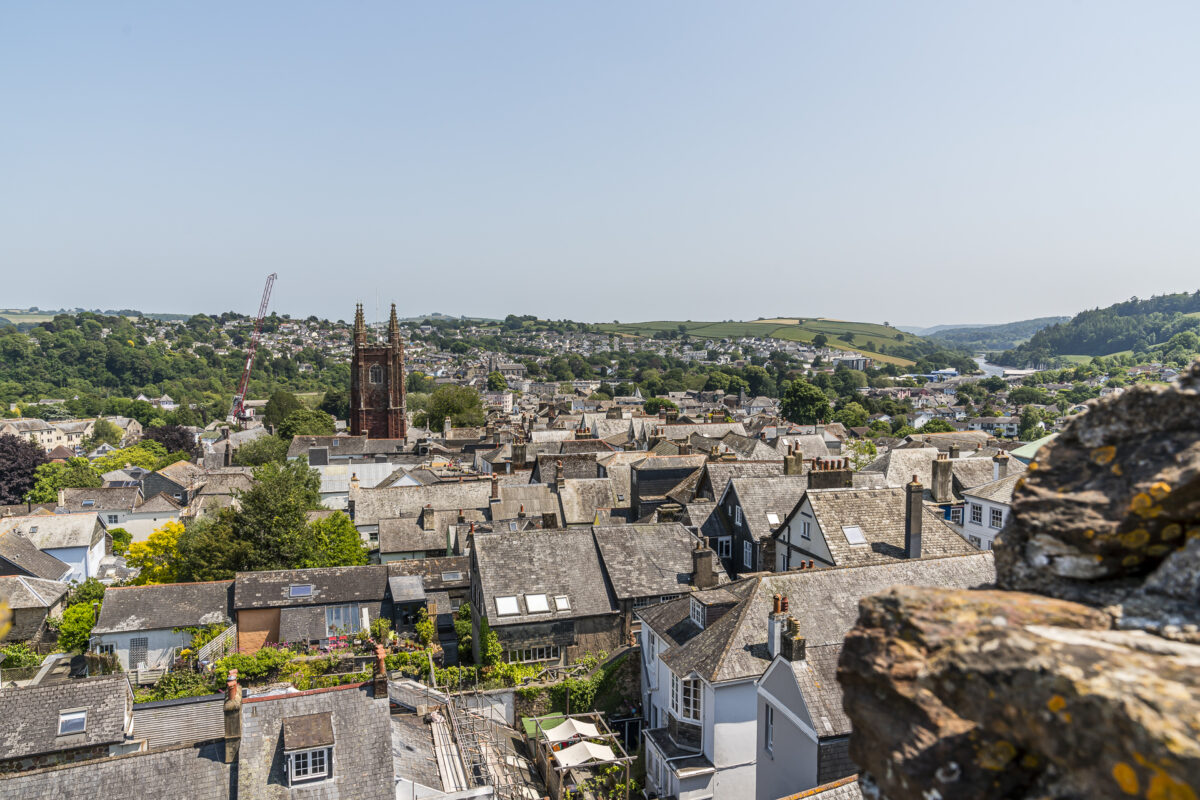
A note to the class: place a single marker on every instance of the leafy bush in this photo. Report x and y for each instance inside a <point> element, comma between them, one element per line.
<point>18,655</point>
<point>425,628</point>
<point>88,592</point>
<point>381,630</point>
<point>76,627</point>
<point>177,684</point>
<point>266,662</point>
<point>121,539</point>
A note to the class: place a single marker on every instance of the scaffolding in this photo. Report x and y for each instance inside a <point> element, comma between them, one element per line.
<point>489,759</point>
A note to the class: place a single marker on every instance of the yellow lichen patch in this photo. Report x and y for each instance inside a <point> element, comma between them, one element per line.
<point>1089,533</point>
<point>1172,531</point>
<point>1134,539</point>
<point>1164,787</point>
<point>1020,484</point>
<point>1158,549</point>
<point>1193,533</point>
<point>1131,561</point>
<point>1056,703</point>
<point>1159,490</point>
<point>997,755</point>
<point>1140,503</point>
<point>1104,455</point>
<point>1032,465</point>
<point>1125,777</point>
<point>1116,470</point>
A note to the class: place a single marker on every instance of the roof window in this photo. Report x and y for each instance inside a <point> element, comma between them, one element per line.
<point>449,577</point>
<point>72,722</point>
<point>537,604</point>
<point>562,603</point>
<point>300,590</point>
<point>507,606</point>
<point>854,534</point>
<point>89,503</point>
<point>772,519</point>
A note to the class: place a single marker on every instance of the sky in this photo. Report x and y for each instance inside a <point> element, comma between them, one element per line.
<point>918,162</point>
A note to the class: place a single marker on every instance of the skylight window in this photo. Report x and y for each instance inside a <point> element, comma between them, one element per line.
<point>89,503</point>
<point>854,534</point>
<point>537,604</point>
<point>450,577</point>
<point>507,606</point>
<point>300,590</point>
<point>512,526</point>
<point>773,519</point>
<point>72,722</point>
<point>562,603</point>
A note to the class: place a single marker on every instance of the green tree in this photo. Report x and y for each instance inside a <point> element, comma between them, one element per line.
<point>820,340</point>
<point>279,406</point>
<point>418,382</point>
<point>121,539</point>
<point>937,426</point>
<point>306,422</point>
<point>1031,427</point>
<point>425,628</point>
<point>103,432</point>
<point>77,473</point>
<point>852,415</point>
<point>460,403</point>
<point>804,404</point>
<point>76,627</point>
<point>272,519</point>
<point>496,382</point>
<point>19,462</point>
<point>656,404</point>
<point>490,652</point>
<point>88,592</point>
<point>334,542</point>
<point>147,454</point>
<point>210,551</point>
<point>336,403</point>
<point>262,450</point>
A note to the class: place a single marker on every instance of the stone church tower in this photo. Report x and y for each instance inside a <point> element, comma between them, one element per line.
<point>377,383</point>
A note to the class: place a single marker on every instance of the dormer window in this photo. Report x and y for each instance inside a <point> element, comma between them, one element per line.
<point>697,612</point>
<point>308,748</point>
<point>72,722</point>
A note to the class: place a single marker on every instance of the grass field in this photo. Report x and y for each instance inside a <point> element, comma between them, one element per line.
<point>867,336</point>
<point>1088,359</point>
<point>310,399</point>
<point>18,316</point>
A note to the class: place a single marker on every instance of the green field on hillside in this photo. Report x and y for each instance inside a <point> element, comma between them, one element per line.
<point>18,316</point>
<point>867,336</point>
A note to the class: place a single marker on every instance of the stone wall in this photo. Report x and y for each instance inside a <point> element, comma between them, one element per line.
<point>1079,675</point>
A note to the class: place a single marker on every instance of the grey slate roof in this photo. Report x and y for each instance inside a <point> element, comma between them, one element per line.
<point>880,513</point>
<point>434,571</point>
<point>30,715</point>
<point>648,560</point>
<point>536,498</point>
<point>102,498</point>
<point>1000,491</point>
<point>734,647</point>
<point>412,751</point>
<point>372,505</point>
<point>816,675</point>
<point>575,465</point>
<point>187,720</point>
<point>308,731</point>
<point>162,606</point>
<point>21,591</point>
<point>706,517</point>
<point>718,473</point>
<point>582,496</point>
<point>554,562</point>
<point>186,771</point>
<point>57,531</point>
<point>269,589</point>
<point>405,534</point>
<point>761,496</point>
<point>362,751</point>
<point>18,550</point>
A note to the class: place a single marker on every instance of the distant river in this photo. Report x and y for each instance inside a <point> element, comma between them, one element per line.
<point>988,368</point>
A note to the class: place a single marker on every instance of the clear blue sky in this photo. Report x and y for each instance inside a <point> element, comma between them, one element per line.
<point>911,162</point>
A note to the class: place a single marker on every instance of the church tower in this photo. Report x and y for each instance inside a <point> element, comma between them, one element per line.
<point>377,383</point>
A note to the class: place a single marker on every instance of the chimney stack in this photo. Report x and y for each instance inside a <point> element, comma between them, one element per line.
<point>913,512</point>
<point>427,517</point>
<point>380,679</point>
<point>233,717</point>
<point>521,512</point>
<point>793,462</point>
<point>560,480</point>
<point>775,624</point>
<point>792,645</point>
<point>831,474</point>
<point>999,465</point>
<point>954,451</point>
<point>495,487</point>
<point>943,474</point>
<point>549,520</point>
<point>704,574</point>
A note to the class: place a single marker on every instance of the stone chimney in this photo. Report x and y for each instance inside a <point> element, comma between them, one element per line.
<point>792,644</point>
<point>831,473</point>
<point>704,572</point>
<point>954,451</point>
<point>379,679</point>
<point>669,512</point>
<point>427,517</point>
<point>447,426</point>
<point>614,412</point>
<point>227,456</point>
<point>495,487</point>
<point>943,474</point>
<point>233,717</point>
<point>913,513</point>
<point>672,416</point>
<point>519,455</point>
<point>793,462</point>
<point>999,465</point>
<point>560,480</point>
<point>685,449</point>
<point>549,520</point>
<point>775,623</point>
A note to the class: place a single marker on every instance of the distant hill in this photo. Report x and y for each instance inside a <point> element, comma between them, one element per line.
<point>991,337</point>
<point>1161,328</point>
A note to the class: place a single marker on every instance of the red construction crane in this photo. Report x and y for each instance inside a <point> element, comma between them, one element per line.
<point>238,412</point>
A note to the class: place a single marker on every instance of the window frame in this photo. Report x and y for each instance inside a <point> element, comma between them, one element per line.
<point>805,529</point>
<point>696,612</point>
<point>335,611</point>
<point>747,554</point>
<point>995,518</point>
<point>308,757</point>
<point>769,728</point>
<point>71,715</point>
<point>373,371</point>
<point>725,547</point>
<point>976,514</point>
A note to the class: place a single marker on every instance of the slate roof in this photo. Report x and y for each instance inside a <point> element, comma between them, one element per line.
<point>57,531</point>
<point>899,466</point>
<point>554,562</point>
<point>816,675</point>
<point>433,571</point>
<point>1000,491</point>
<point>718,473</point>
<point>735,646</point>
<point>972,472</point>
<point>575,465</point>
<point>372,505</point>
<point>102,498</point>
<point>217,483</point>
<point>705,516</point>
<point>183,473</point>
<point>709,429</point>
<point>880,513</point>
<point>20,591</point>
<point>362,749</point>
<point>308,731</point>
<point>162,606</point>
<point>412,751</point>
<point>841,789</point>
<point>335,477</point>
<point>30,715</point>
<point>535,497</point>
<point>18,550</point>
<point>648,560</point>
<point>194,772</point>
<point>581,497</point>
<point>761,496</point>
<point>159,503</point>
<point>405,534</point>
<point>269,589</point>
<point>811,445</point>
<point>346,445</point>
